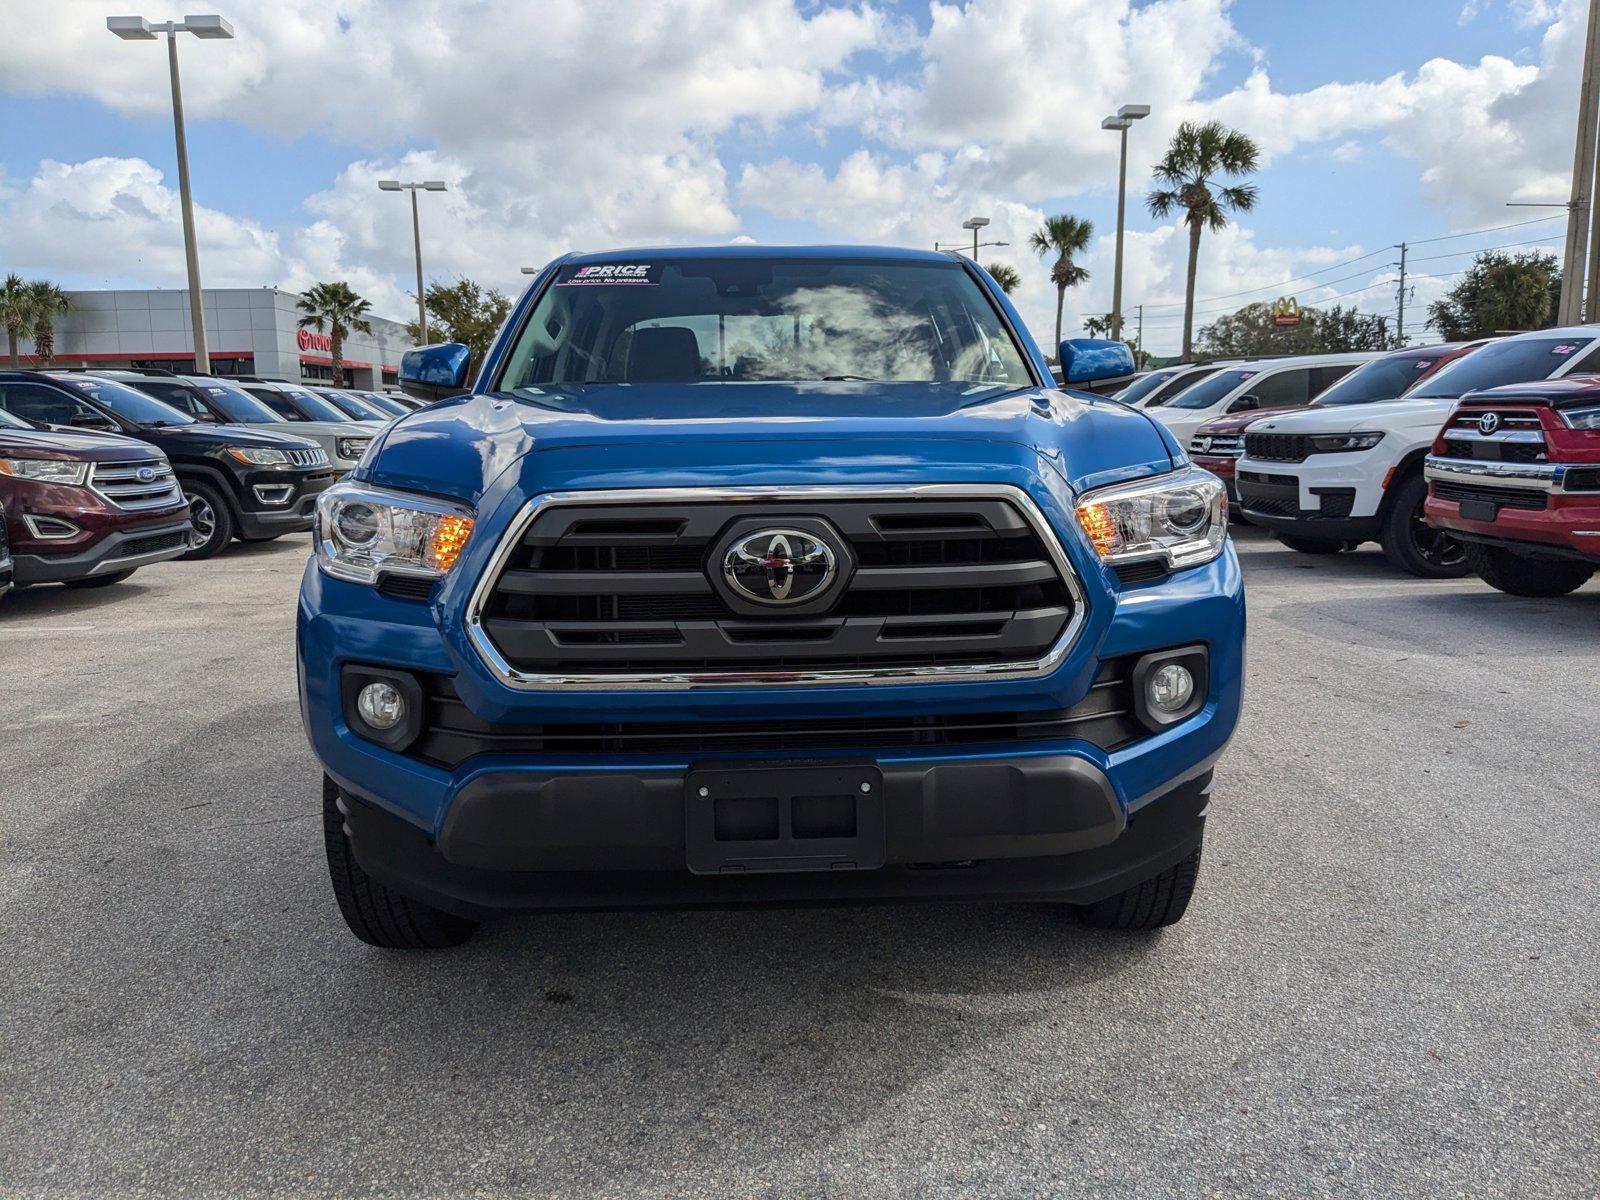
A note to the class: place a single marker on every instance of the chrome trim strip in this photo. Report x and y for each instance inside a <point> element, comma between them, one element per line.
<point>529,681</point>
<point>1542,477</point>
<point>1529,437</point>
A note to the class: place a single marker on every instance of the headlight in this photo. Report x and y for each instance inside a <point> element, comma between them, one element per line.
<point>258,456</point>
<point>1332,443</point>
<point>363,532</point>
<point>352,447</point>
<point>1182,516</point>
<point>45,470</point>
<point>1582,418</point>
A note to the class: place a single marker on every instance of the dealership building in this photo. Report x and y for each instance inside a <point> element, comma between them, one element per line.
<point>251,331</point>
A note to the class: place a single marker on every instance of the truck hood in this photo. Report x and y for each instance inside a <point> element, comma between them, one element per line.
<point>1235,422</point>
<point>77,446</point>
<point>1343,418</point>
<point>205,436</point>
<point>321,429</point>
<point>456,448</point>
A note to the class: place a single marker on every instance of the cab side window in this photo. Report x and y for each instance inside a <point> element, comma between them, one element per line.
<point>1323,378</point>
<point>175,394</point>
<point>1282,389</point>
<point>45,405</point>
<point>1588,364</point>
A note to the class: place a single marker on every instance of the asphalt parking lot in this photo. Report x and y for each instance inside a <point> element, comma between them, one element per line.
<point>1389,983</point>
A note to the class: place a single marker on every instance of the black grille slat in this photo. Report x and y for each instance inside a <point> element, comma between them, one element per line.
<point>452,733</point>
<point>1277,447</point>
<point>960,580</point>
<point>1504,497</point>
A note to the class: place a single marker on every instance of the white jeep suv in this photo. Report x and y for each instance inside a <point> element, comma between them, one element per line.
<point>1328,479</point>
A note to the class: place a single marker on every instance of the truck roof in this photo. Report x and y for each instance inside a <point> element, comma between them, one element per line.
<point>754,250</point>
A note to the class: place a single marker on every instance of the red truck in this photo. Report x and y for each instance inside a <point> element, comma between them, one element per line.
<point>1515,476</point>
<point>1217,445</point>
<point>85,509</point>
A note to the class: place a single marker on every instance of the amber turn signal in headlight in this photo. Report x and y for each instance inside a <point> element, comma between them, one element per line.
<point>365,532</point>
<point>1181,517</point>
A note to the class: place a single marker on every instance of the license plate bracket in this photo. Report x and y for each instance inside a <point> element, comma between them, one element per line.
<point>1479,510</point>
<point>741,819</point>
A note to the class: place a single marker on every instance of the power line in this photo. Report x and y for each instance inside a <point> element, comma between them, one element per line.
<point>1272,286</point>
<point>1561,216</point>
<point>1554,237</point>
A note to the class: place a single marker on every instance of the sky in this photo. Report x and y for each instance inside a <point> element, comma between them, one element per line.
<point>598,124</point>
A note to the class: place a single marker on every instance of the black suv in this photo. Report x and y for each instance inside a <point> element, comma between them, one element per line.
<point>249,484</point>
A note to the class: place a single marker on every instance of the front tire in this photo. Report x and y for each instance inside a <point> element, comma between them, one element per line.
<point>212,519</point>
<point>1157,902</point>
<point>378,915</point>
<point>1311,545</point>
<point>1516,575</point>
<point>1413,545</point>
<point>97,581</point>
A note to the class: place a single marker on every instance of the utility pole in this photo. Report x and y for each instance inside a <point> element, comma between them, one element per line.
<point>1400,316</point>
<point>1126,116</point>
<point>1575,261</point>
<point>1140,342</point>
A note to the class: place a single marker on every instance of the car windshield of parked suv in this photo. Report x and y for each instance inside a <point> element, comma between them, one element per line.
<point>1209,391</point>
<point>739,320</point>
<point>1515,360</point>
<point>352,407</point>
<point>1380,379</point>
<point>384,403</point>
<point>297,404</point>
<point>128,403</point>
<point>236,404</point>
<point>1180,382</point>
<point>1140,388</point>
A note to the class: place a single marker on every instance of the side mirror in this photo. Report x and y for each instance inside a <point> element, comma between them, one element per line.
<point>435,372</point>
<point>94,421</point>
<point>1095,361</point>
<point>1245,404</point>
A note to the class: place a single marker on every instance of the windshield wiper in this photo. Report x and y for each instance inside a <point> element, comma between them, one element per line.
<point>848,379</point>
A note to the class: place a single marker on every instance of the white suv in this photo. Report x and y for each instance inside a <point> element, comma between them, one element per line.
<point>1328,479</point>
<point>1267,383</point>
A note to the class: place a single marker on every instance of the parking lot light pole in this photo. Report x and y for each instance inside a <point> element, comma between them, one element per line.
<point>426,185</point>
<point>974,224</point>
<point>211,28</point>
<point>1126,116</point>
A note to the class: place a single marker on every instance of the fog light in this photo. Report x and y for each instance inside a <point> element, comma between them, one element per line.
<point>1168,689</point>
<point>381,705</point>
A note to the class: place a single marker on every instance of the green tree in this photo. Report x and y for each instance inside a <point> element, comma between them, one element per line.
<point>1340,329</point>
<point>1098,327</point>
<point>1065,237</point>
<point>334,309</point>
<point>49,302</point>
<point>1499,293</point>
<point>1251,332</point>
<point>1008,277</point>
<point>16,311</point>
<point>465,313</point>
<point>1198,155</point>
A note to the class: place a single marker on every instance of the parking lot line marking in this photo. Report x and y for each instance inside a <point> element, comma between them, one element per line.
<point>48,629</point>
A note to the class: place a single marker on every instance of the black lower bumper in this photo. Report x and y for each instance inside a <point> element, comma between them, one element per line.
<point>1028,828</point>
<point>294,517</point>
<point>1273,502</point>
<point>123,550</point>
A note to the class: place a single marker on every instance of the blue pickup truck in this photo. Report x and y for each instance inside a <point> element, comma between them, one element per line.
<point>770,576</point>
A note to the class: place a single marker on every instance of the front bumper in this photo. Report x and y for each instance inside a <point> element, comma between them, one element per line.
<point>119,550</point>
<point>1279,501</point>
<point>297,511</point>
<point>1566,525</point>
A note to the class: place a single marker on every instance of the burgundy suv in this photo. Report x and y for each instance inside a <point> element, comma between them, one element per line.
<point>85,509</point>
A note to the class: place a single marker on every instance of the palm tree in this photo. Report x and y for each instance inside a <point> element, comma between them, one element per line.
<point>334,309</point>
<point>1008,277</point>
<point>1197,155</point>
<point>16,311</point>
<point>49,302</point>
<point>1063,236</point>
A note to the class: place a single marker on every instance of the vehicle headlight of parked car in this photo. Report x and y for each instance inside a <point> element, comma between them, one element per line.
<point>1333,443</point>
<point>1583,418</point>
<point>364,532</point>
<point>259,456</point>
<point>1183,517</point>
<point>352,447</point>
<point>45,470</point>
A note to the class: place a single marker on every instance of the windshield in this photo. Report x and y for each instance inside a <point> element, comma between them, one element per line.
<point>297,404</point>
<point>1140,388</point>
<point>12,421</point>
<point>1209,391</point>
<point>1515,360</point>
<point>388,405</point>
<point>236,404</point>
<point>1180,382</point>
<point>738,320</point>
<point>353,407</point>
<point>128,403</point>
<point>1380,379</point>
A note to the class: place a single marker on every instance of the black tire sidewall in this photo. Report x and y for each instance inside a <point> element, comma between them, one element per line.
<point>1408,497</point>
<point>225,524</point>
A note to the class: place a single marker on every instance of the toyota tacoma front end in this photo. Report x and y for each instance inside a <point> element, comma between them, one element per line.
<point>754,576</point>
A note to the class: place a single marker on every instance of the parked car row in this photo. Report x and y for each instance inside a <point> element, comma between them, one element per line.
<point>1480,457</point>
<point>103,472</point>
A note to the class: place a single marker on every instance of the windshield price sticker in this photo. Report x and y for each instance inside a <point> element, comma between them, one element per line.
<point>611,275</point>
<point>1564,348</point>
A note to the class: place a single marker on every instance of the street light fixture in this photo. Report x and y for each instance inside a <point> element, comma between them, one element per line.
<point>426,185</point>
<point>209,27</point>
<point>1122,122</point>
<point>974,224</point>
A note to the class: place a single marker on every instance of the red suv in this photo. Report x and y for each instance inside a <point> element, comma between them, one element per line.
<point>85,509</point>
<point>1515,475</point>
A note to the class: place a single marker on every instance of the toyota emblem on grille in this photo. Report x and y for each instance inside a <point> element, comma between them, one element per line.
<point>779,566</point>
<point>1488,423</point>
<point>146,474</point>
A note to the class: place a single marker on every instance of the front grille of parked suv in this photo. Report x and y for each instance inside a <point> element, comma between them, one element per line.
<point>316,456</point>
<point>1277,447</point>
<point>1221,445</point>
<point>120,484</point>
<point>1517,437</point>
<point>955,583</point>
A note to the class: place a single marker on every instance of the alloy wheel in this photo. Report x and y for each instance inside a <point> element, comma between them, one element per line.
<point>204,520</point>
<point>1435,546</point>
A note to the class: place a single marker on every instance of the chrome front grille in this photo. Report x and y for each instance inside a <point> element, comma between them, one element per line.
<point>136,485</point>
<point>627,588</point>
<point>1513,436</point>
<point>315,456</point>
<point>1221,445</point>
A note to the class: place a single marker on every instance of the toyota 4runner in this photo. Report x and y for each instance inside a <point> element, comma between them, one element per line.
<point>743,575</point>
